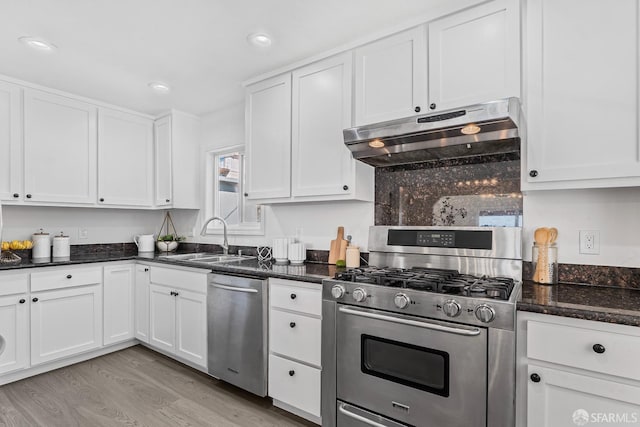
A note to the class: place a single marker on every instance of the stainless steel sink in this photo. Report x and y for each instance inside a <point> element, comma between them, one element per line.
<point>206,258</point>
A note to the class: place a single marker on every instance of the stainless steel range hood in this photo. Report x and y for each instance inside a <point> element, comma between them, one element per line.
<point>482,129</point>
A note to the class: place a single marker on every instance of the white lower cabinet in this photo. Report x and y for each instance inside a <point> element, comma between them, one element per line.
<point>14,332</point>
<point>178,313</point>
<point>118,303</point>
<point>295,329</point>
<point>574,372</point>
<point>141,321</point>
<point>65,322</point>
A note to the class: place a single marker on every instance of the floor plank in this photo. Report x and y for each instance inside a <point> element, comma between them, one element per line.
<point>134,387</point>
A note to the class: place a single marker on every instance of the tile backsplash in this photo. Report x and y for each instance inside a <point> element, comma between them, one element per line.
<point>479,191</point>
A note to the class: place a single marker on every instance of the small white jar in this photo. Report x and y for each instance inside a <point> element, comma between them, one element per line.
<point>41,245</point>
<point>61,246</point>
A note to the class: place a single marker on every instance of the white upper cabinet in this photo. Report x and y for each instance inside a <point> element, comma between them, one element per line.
<point>321,108</point>
<point>60,139</point>
<point>163,164</point>
<point>582,94</point>
<point>10,142</point>
<point>391,77</point>
<point>268,138</point>
<point>125,159</point>
<point>185,161</point>
<point>474,55</point>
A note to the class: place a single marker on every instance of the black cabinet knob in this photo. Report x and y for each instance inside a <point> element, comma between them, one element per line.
<point>172,293</point>
<point>246,194</point>
<point>35,300</point>
<point>345,187</point>
<point>417,109</point>
<point>177,293</point>
<point>599,348</point>
<point>69,276</point>
<point>146,269</point>
<point>292,373</point>
<point>533,173</point>
<point>535,378</point>
<point>292,324</point>
<point>16,195</point>
<point>294,296</point>
<point>432,106</point>
<point>168,200</point>
<point>28,196</point>
<point>101,199</point>
<point>22,301</point>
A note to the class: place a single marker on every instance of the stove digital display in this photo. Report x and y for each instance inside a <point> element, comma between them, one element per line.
<point>436,239</point>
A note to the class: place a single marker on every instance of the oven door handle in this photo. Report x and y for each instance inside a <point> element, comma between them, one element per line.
<point>421,324</point>
<point>343,409</point>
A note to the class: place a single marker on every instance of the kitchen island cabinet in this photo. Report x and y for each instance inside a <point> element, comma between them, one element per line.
<point>569,369</point>
<point>10,142</point>
<point>582,94</point>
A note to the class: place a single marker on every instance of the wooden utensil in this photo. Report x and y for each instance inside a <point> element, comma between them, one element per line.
<point>336,245</point>
<point>541,238</point>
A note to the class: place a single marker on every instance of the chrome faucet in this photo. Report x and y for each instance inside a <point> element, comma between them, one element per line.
<point>225,243</point>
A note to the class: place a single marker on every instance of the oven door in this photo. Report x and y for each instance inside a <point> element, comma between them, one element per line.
<point>414,370</point>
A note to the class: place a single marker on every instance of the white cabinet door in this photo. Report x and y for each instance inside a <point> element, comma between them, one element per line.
<point>321,109</point>
<point>10,142</point>
<point>125,159</point>
<point>582,94</point>
<point>142,303</point>
<point>561,398</point>
<point>118,303</point>
<point>162,318</point>
<point>59,149</point>
<point>185,149</point>
<point>14,333</point>
<point>295,384</point>
<point>191,326</point>
<point>474,55</point>
<point>391,77</point>
<point>65,322</point>
<point>268,138</point>
<point>163,164</point>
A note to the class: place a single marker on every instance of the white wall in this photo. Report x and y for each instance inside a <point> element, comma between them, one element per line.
<point>314,223</point>
<point>615,212</point>
<point>102,225</point>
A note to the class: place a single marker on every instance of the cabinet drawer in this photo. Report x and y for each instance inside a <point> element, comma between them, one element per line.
<point>13,283</point>
<point>176,278</point>
<point>576,347</point>
<point>297,298</point>
<point>65,278</point>
<point>295,384</point>
<point>295,335</point>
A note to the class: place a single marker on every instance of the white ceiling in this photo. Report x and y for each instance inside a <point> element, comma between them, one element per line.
<point>110,49</point>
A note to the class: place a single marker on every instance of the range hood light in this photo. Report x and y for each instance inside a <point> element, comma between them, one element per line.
<point>376,143</point>
<point>470,129</point>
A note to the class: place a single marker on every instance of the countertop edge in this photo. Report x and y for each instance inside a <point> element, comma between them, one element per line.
<point>598,314</point>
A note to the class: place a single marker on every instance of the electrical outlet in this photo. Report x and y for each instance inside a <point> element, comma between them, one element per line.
<point>590,242</point>
<point>83,234</point>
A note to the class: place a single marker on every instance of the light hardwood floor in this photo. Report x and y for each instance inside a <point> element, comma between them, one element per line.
<point>134,387</point>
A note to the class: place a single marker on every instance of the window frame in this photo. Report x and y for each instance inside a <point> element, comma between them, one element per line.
<point>212,195</point>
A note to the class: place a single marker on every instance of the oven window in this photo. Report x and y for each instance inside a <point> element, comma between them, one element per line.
<point>418,367</point>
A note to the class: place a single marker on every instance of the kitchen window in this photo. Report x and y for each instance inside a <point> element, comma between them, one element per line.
<point>225,194</point>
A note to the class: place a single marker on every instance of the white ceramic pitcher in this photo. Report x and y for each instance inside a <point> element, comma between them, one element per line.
<point>145,242</point>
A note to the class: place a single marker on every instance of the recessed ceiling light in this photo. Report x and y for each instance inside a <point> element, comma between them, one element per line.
<point>470,129</point>
<point>160,87</point>
<point>37,43</point>
<point>259,39</point>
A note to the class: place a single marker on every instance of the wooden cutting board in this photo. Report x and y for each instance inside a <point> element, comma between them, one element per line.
<point>338,247</point>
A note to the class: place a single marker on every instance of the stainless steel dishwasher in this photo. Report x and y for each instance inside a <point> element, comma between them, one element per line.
<point>237,328</point>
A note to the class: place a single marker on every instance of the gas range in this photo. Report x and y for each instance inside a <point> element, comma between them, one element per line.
<point>403,337</point>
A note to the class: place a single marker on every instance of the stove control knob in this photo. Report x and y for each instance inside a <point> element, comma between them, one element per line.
<point>359,294</point>
<point>485,313</point>
<point>337,291</point>
<point>451,308</point>
<point>401,301</point>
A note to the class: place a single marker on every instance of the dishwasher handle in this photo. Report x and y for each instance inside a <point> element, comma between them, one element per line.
<point>235,289</point>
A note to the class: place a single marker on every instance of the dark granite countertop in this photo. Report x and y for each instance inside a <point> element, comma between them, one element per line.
<point>582,301</point>
<point>307,272</point>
